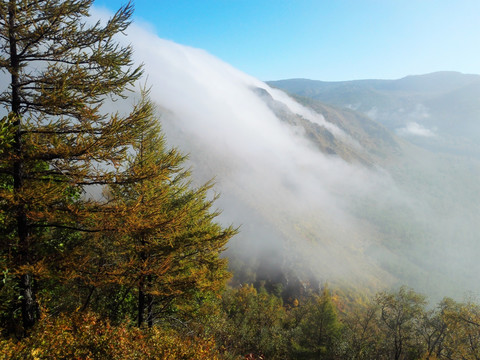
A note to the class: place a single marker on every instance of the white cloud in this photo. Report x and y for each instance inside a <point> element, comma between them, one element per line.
<point>256,159</point>
<point>415,129</point>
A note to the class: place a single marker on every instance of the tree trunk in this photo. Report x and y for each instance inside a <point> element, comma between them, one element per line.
<point>149,304</point>
<point>27,294</point>
<point>29,304</point>
<point>141,302</point>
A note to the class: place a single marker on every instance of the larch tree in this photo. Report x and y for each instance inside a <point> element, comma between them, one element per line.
<point>166,243</point>
<point>56,141</point>
<point>318,328</point>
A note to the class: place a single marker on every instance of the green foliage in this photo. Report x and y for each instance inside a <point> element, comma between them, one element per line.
<point>86,336</point>
<point>6,134</point>
<point>163,246</point>
<point>250,321</point>
<point>461,330</point>
<point>397,325</point>
<point>255,323</point>
<point>316,328</point>
<point>58,139</point>
<point>400,316</point>
<point>94,211</point>
<point>246,321</point>
<point>362,338</point>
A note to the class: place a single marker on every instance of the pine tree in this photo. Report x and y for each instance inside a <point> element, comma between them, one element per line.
<point>58,143</point>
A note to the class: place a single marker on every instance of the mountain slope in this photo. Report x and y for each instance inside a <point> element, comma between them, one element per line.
<point>321,193</point>
<point>439,111</point>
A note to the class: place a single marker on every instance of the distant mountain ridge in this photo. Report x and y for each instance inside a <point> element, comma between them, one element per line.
<point>438,111</point>
<point>440,82</point>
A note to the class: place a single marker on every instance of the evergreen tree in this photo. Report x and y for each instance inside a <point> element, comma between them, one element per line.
<point>317,328</point>
<point>59,143</point>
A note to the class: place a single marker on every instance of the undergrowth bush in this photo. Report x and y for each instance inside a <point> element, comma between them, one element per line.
<point>86,336</point>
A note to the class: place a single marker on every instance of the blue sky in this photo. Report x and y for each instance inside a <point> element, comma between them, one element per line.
<point>323,39</point>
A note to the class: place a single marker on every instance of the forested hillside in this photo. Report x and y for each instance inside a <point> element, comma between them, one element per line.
<point>439,111</point>
<point>111,248</point>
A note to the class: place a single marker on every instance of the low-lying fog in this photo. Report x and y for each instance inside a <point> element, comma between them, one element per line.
<point>298,207</point>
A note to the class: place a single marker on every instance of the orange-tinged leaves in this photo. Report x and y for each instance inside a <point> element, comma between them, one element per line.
<point>85,336</point>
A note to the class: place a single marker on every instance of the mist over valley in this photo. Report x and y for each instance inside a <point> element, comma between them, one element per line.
<point>360,184</point>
